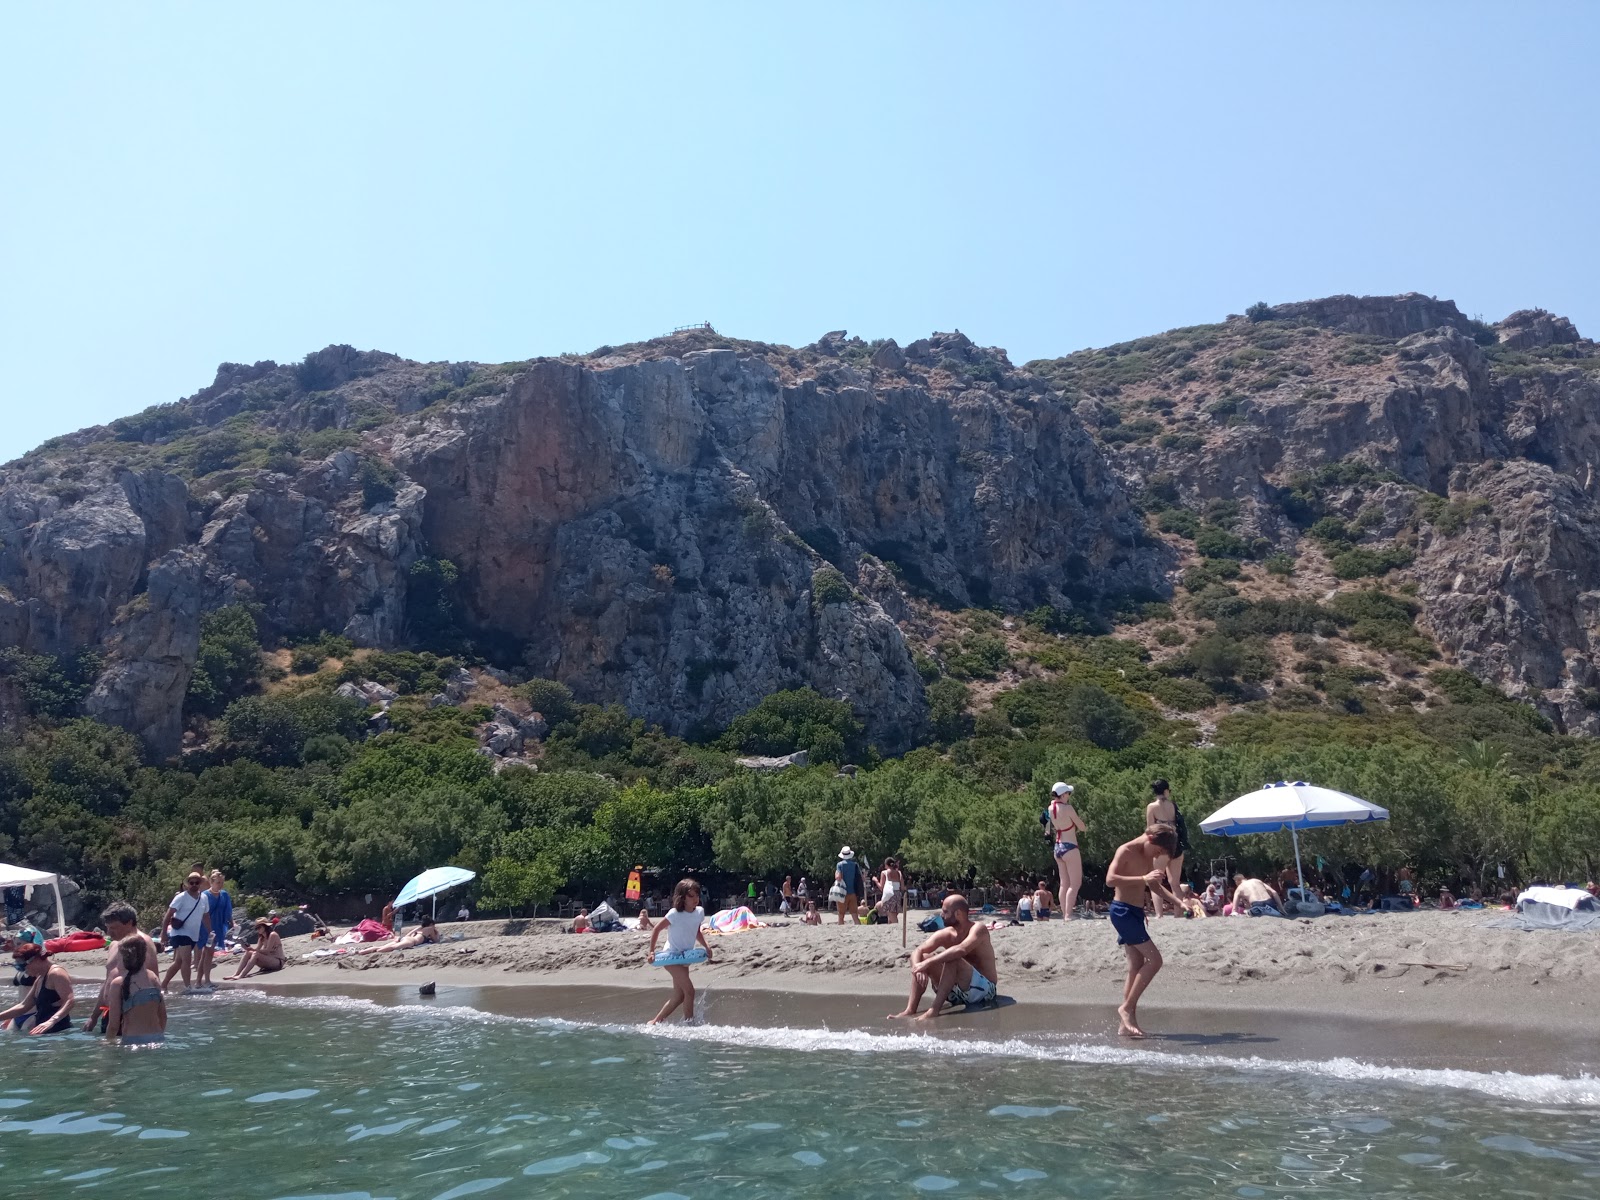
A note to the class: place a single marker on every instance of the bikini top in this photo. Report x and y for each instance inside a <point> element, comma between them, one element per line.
<point>143,996</point>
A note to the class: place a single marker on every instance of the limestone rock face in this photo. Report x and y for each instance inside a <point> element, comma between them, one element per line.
<point>1510,589</point>
<point>645,525</point>
<point>150,654</point>
<point>688,525</point>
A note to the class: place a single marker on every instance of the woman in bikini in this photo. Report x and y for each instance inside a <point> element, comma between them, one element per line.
<point>1066,826</point>
<point>425,933</point>
<point>136,1011</point>
<point>265,956</point>
<point>1162,810</point>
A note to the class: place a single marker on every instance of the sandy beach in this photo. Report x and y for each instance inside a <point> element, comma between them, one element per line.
<point>1424,966</point>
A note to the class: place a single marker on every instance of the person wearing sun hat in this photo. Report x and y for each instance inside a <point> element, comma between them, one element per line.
<point>47,1006</point>
<point>847,885</point>
<point>1065,826</point>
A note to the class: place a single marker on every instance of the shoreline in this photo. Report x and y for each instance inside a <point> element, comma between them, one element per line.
<point>1453,969</point>
<point>1420,967</point>
<point>1295,1037</point>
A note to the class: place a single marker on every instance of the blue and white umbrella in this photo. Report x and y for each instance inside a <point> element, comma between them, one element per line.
<point>1291,806</point>
<point>431,882</point>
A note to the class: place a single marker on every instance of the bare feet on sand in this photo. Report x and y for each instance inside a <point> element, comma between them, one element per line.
<point>901,1016</point>
<point>1129,1027</point>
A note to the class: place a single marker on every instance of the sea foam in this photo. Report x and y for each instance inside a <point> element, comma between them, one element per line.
<point>1581,1091</point>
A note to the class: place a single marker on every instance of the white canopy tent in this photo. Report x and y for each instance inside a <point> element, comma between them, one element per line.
<point>11,876</point>
<point>1292,806</point>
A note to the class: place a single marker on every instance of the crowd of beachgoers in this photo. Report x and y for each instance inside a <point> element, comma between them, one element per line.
<point>954,966</point>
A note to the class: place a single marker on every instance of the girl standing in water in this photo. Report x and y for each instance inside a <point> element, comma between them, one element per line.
<point>136,1011</point>
<point>682,925</point>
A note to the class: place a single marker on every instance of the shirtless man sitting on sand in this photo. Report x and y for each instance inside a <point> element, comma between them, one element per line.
<point>1255,891</point>
<point>957,962</point>
<point>1133,870</point>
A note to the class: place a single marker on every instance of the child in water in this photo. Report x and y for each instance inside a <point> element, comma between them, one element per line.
<point>682,925</point>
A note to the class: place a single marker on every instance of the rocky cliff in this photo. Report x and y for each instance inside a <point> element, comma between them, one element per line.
<point>1399,441</point>
<point>683,526</point>
<point>689,524</point>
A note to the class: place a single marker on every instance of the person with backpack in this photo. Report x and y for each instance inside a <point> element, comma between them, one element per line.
<point>848,885</point>
<point>1065,828</point>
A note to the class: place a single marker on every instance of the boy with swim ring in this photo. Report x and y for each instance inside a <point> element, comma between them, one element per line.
<point>682,926</point>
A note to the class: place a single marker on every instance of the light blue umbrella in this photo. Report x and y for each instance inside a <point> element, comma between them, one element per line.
<point>431,882</point>
<point>1291,806</point>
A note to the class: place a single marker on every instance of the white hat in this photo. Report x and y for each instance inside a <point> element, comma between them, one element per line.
<point>847,853</point>
<point>1061,789</point>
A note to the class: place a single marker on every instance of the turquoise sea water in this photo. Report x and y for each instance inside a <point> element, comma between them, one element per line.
<point>270,1098</point>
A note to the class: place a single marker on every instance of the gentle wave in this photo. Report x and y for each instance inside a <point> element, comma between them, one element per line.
<point>1574,1091</point>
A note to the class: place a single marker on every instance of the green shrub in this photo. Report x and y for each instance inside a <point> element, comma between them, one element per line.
<point>1211,571</point>
<point>1184,695</point>
<point>1072,712</point>
<point>947,709</point>
<point>1259,311</point>
<point>1360,562</point>
<point>828,586</point>
<point>229,660</point>
<point>1179,521</point>
<point>549,698</point>
<point>1280,564</point>
<point>976,656</point>
<point>50,687</point>
<point>377,480</point>
<point>1169,635</point>
<point>795,720</point>
<point>1219,543</point>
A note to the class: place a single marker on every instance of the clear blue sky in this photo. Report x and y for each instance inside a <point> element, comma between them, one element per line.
<point>189,184</point>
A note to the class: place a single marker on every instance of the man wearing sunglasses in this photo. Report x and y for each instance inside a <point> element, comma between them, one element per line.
<point>189,919</point>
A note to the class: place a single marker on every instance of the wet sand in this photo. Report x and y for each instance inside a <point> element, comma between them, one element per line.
<point>1525,1049</point>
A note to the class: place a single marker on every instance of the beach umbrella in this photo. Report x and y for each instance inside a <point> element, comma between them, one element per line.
<point>1291,806</point>
<point>430,883</point>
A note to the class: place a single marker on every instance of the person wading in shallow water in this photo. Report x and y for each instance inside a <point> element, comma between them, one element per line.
<point>1133,870</point>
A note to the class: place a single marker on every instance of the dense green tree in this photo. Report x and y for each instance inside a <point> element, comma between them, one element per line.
<point>795,720</point>
<point>229,660</point>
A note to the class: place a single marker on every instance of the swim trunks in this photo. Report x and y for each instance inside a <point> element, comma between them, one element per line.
<point>1063,847</point>
<point>178,939</point>
<point>1128,921</point>
<point>978,991</point>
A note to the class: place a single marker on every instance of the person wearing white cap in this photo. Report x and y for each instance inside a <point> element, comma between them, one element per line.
<point>848,885</point>
<point>1065,827</point>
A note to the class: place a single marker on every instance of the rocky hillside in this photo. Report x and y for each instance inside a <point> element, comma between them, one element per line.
<point>1341,504</point>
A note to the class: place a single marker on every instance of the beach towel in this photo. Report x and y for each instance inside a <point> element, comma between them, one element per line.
<point>76,943</point>
<point>366,930</point>
<point>733,920</point>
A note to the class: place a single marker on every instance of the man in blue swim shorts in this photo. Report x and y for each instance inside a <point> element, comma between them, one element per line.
<point>1133,870</point>
<point>957,962</point>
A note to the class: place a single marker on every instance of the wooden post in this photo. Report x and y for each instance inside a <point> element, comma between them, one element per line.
<point>905,915</point>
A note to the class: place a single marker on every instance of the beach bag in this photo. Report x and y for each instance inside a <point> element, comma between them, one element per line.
<point>837,892</point>
<point>931,924</point>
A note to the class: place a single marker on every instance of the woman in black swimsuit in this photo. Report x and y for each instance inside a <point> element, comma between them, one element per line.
<point>50,997</point>
<point>1165,810</point>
